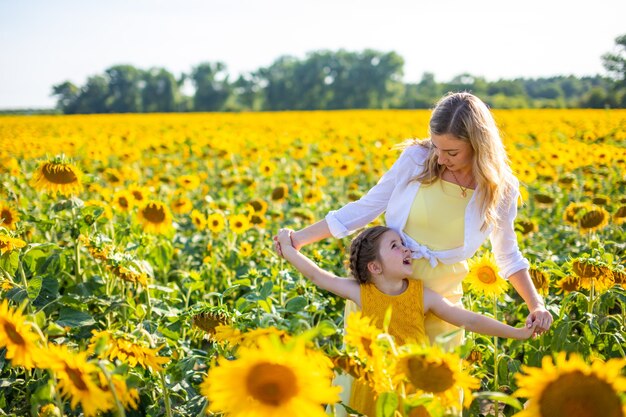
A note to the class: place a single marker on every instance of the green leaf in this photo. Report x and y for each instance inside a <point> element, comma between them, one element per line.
<point>296,304</point>
<point>68,317</point>
<point>10,261</point>
<point>266,289</point>
<point>387,404</point>
<point>34,287</point>
<point>500,397</point>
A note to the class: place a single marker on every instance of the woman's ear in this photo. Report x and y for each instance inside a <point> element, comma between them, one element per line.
<point>375,267</point>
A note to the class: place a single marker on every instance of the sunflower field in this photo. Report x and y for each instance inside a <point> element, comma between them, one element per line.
<point>137,275</point>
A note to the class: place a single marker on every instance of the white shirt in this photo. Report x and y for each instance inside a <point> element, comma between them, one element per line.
<point>394,195</point>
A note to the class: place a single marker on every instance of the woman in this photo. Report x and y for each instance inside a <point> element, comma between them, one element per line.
<point>446,195</point>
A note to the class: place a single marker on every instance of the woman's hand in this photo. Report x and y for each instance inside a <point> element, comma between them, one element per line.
<point>283,238</point>
<point>540,318</point>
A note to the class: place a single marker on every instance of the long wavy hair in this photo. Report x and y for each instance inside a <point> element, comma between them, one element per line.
<point>467,118</point>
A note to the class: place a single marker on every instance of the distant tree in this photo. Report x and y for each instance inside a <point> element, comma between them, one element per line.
<point>278,81</point>
<point>212,88</point>
<point>94,96</point>
<point>615,63</point>
<point>247,92</point>
<point>125,85</point>
<point>67,94</point>
<point>160,91</point>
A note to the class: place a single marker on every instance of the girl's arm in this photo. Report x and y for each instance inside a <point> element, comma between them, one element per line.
<point>345,288</point>
<point>471,321</point>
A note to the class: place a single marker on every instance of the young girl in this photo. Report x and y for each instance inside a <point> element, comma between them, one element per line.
<point>381,265</point>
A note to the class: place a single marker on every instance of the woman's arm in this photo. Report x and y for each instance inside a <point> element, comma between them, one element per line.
<point>471,321</point>
<point>539,317</point>
<point>515,268</point>
<point>345,288</point>
<point>310,234</point>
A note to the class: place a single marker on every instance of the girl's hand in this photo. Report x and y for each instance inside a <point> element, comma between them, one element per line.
<point>526,332</point>
<point>282,240</point>
<point>540,318</point>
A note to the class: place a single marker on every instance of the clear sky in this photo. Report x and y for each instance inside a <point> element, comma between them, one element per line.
<point>44,42</point>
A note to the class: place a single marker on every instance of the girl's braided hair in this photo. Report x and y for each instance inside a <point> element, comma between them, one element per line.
<point>363,250</point>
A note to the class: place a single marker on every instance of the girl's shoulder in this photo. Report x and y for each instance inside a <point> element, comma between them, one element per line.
<point>415,150</point>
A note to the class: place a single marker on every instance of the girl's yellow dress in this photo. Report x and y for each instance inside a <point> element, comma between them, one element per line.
<point>437,221</point>
<point>407,324</point>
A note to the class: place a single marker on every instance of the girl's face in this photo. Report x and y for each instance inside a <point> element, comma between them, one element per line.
<point>395,258</point>
<point>456,154</point>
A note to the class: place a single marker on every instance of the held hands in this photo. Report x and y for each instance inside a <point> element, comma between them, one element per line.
<point>523,333</point>
<point>282,240</point>
<point>540,319</point>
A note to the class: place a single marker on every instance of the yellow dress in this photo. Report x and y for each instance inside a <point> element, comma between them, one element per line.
<point>407,324</point>
<point>437,221</point>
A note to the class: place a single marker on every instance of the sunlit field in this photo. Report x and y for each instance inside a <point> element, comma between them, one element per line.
<point>137,274</point>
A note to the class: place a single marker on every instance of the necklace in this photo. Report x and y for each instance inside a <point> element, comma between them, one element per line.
<point>463,189</point>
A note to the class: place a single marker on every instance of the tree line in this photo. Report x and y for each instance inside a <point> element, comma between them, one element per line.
<point>329,80</point>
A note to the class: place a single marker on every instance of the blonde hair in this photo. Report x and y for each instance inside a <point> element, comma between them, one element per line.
<point>467,118</point>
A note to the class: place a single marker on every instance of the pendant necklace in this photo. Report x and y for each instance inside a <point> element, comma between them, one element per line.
<point>463,189</point>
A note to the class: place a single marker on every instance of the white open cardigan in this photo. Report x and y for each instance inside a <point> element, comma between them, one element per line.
<point>394,194</point>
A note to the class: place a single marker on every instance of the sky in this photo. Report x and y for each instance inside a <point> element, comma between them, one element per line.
<point>43,42</point>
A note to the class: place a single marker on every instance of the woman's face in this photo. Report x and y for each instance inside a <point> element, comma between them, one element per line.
<point>456,154</point>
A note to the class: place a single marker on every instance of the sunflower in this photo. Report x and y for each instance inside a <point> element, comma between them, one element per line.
<point>17,337</point>
<point>484,276</point>
<point>619,217</point>
<point>312,196</point>
<point>210,318</point>
<point>49,410</point>
<point>216,223</point>
<point>267,168</point>
<point>8,216</point>
<point>189,182</point>
<point>126,350</point>
<point>568,284</point>
<point>540,280</point>
<point>8,243</point>
<point>239,223</point>
<point>526,227</point>
<point>128,397</point>
<point>594,218</point>
<point>593,273</point>
<point>544,200</point>
<point>570,387</point>
<point>235,337</point>
<point>58,175</point>
<point>433,372</point>
<point>572,212</point>
<point>76,378</point>
<point>245,249</point>
<point>619,277</point>
<point>107,213</point>
<point>155,217</point>
<point>198,219</point>
<point>270,380</point>
<point>258,221</point>
<point>361,335</point>
<point>139,193</point>
<point>181,205</point>
<point>258,205</point>
<point>123,200</point>
<point>279,193</point>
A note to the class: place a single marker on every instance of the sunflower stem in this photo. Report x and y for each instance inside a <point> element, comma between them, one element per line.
<point>495,359</point>
<point>203,412</point>
<point>166,395</point>
<point>77,260</point>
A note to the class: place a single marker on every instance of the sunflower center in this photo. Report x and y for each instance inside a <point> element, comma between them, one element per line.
<point>430,377</point>
<point>154,213</point>
<point>592,219</point>
<point>486,275</point>
<point>6,216</point>
<point>367,345</point>
<point>272,384</point>
<point>13,334</point>
<point>123,202</point>
<point>76,376</point>
<point>59,174</point>
<point>578,395</point>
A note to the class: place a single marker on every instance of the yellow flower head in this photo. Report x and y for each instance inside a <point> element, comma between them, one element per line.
<point>216,223</point>
<point>181,205</point>
<point>569,387</point>
<point>484,277</point>
<point>198,219</point>
<point>271,379</point>
<point>239,223</point>
<point>361,335</point>
<point>127,350</point>
<point>8,216</point>
<point>18,337</point>
<point>434,372</point>
<point>76,379</point>
<point>155,217</point>
<point>8,243</point>
<point>58,175</point>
